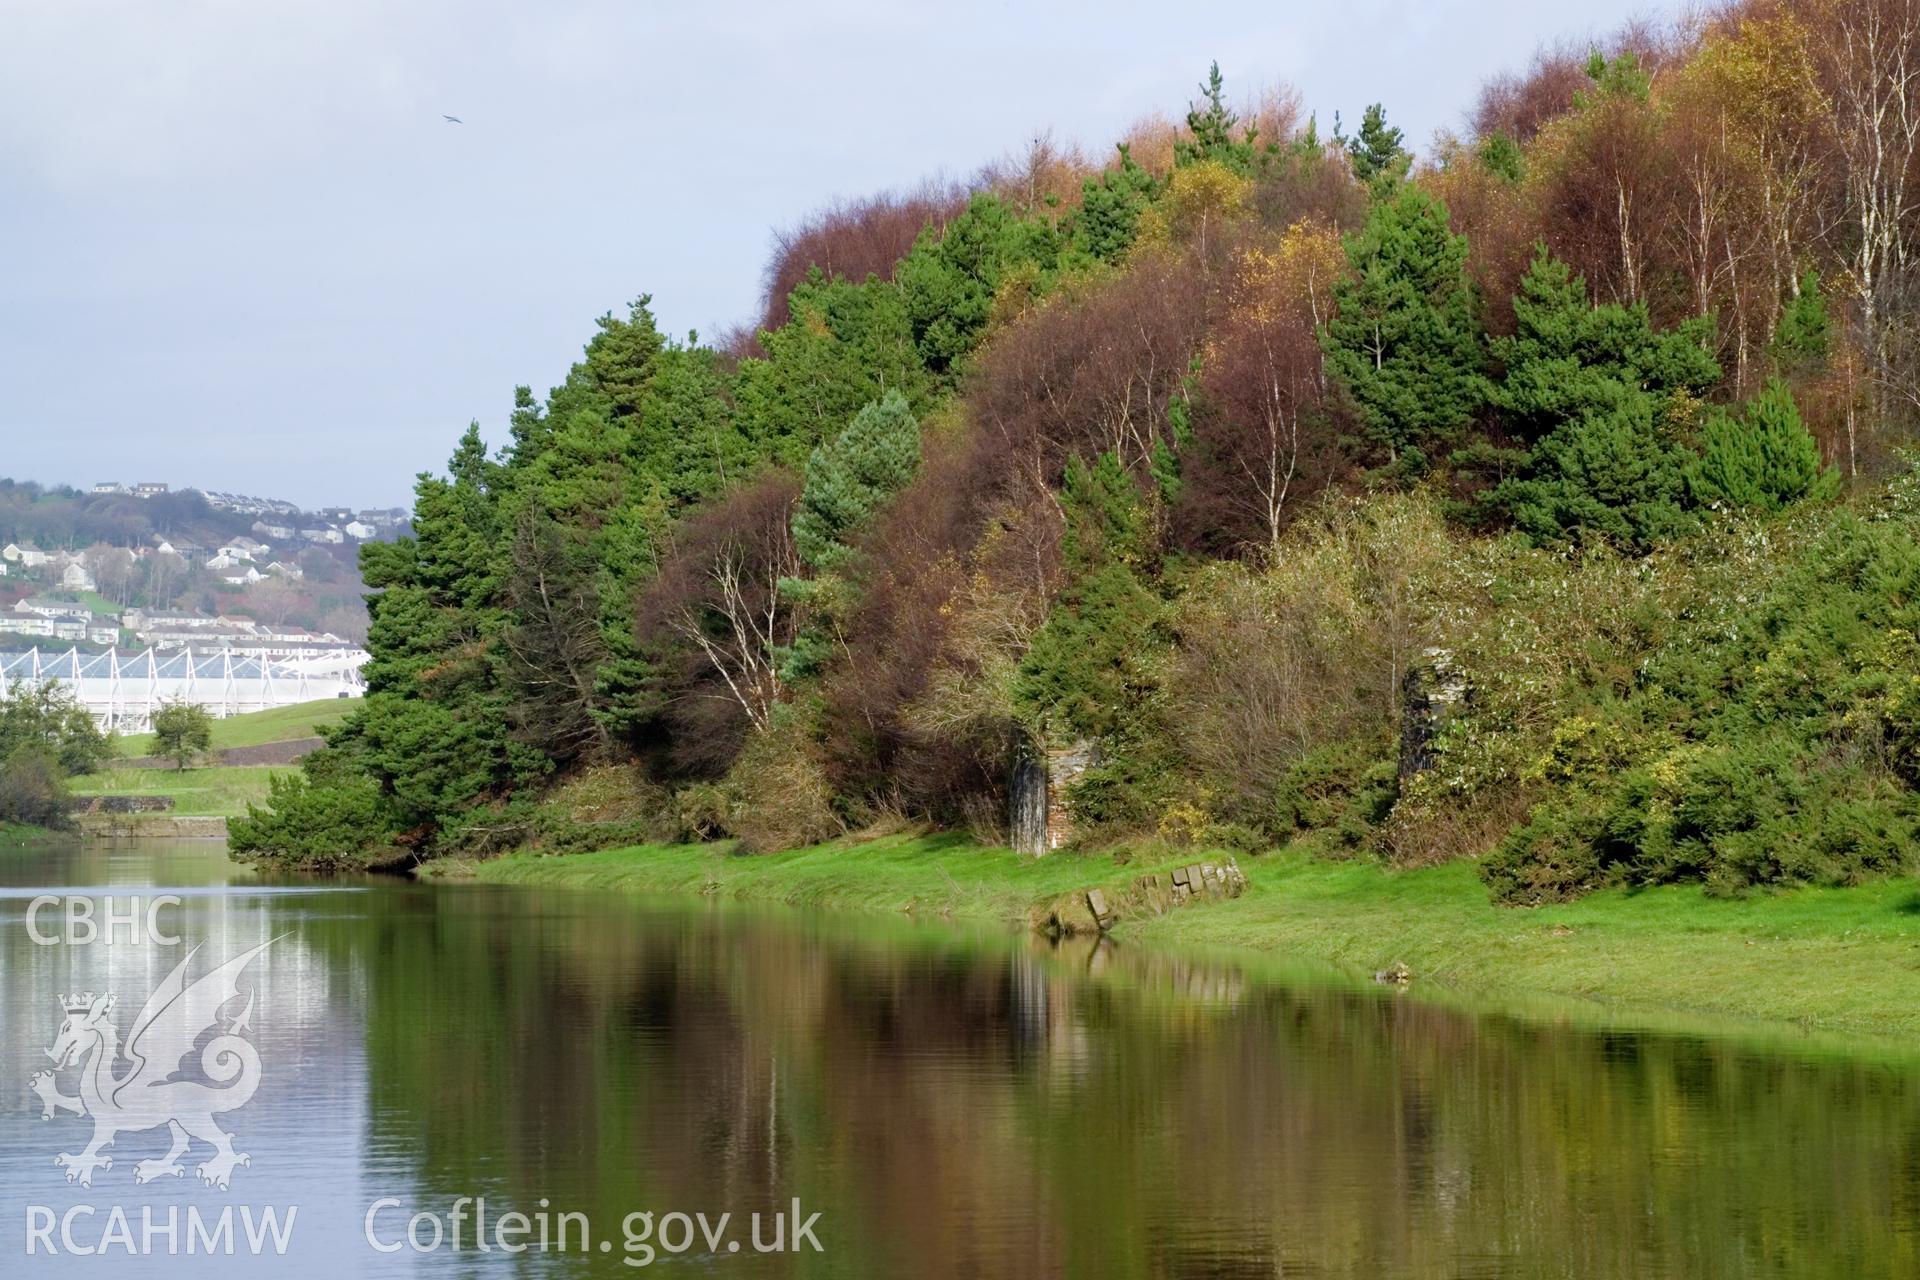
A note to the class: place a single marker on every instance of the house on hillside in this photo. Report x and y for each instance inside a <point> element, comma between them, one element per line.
<point>287,569</point>
<point>149,489</point>
<point>177,621</point>
<point>244,548</point>
<point>110,487</point>
<point>76,576</point>
<point>328,534</point>
<point>245,578</point>
<point>278,532</point>
<point>359,530</point>
<point>62,626</point>
<point>24,554</point>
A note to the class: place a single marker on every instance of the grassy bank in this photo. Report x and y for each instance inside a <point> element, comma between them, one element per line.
<point>1843,960</point>
<point>944,875</point>
<point>209,792</point>
<point>257,728</point>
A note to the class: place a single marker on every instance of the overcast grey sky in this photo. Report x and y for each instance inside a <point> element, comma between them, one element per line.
<point>240,249</point>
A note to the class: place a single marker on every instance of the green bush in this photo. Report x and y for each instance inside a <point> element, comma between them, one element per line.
<point>33,787</point>
<point>1345,789</point>
<point>332,824</point>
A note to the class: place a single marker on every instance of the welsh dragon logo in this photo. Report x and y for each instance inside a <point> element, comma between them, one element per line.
<point>151,1089</point>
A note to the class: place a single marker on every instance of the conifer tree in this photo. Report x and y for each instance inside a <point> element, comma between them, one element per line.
<point>1090,666</point>
<point>1375,151</point>
<point>1404,340</point>
<point>851,476</point>
<point>1764,458</point>
<point>1210,130</point>
<point>1804,334</point>
<point>1110,208</point>
<point>1592,391</point>
<point>1567,358</point>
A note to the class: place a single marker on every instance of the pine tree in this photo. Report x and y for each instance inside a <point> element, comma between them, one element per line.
<point>1110,208</point>
<point>1375,151</point>
<point>1764,458</point>
<point>1567,358</point>
<point>850,477</point>
<point>1404,340</point>
<point>1091,667</point>
<point>1210,131</point>
<point>1592,391</point>
<point>1804,335</point>
<point>1614,473</point>
<point>950,278</point>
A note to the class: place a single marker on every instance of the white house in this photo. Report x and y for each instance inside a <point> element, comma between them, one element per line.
<point>110,486</point>
<point>287,569</point>
<point>359,530</point>
<point>245,578</point>
<point>243,548</point>
<point>328,534</point>
<point>224,560</point>
<point>65,626</point>
<point>24,554</point>
<point>75,577</point>
<point>44,607</point>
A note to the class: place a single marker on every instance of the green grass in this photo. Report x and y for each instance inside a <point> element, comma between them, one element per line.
<point>1838,959</point>
<point>1845,960</point>
<point>257,728</point>
<point>210,792</point>
<point>945,875</point>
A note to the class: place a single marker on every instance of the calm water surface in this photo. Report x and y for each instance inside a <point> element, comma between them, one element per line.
<point>950,1103</point>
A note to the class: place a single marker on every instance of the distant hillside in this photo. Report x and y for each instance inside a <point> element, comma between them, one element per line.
<point>64,518</point>
<point>121,546</point>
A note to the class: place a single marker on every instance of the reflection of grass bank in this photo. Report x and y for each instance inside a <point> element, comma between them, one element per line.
<point>1842,959</point>
<point>215,792</point>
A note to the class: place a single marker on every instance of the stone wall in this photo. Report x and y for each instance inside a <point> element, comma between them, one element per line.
<point>1039,819</point>
<point>153,826</point>
<point>1095,910</point>
<point>122,804</point>
<point>1430,692</point>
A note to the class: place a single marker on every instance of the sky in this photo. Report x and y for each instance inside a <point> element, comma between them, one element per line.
<point>241,250</point>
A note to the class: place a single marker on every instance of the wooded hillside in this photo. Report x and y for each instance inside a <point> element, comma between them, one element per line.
<point>1192,454</point>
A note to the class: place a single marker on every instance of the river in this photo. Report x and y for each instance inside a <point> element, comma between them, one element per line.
<point>948,1102</point>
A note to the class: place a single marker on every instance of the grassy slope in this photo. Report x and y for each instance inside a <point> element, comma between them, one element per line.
<point>1844,960</point>
<point>281,724</point>
<point>223,792</point>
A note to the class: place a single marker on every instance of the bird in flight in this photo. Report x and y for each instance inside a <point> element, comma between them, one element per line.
<point>453,119</point>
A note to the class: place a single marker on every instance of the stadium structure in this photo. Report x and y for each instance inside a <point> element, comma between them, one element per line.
<point>121,690</point>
